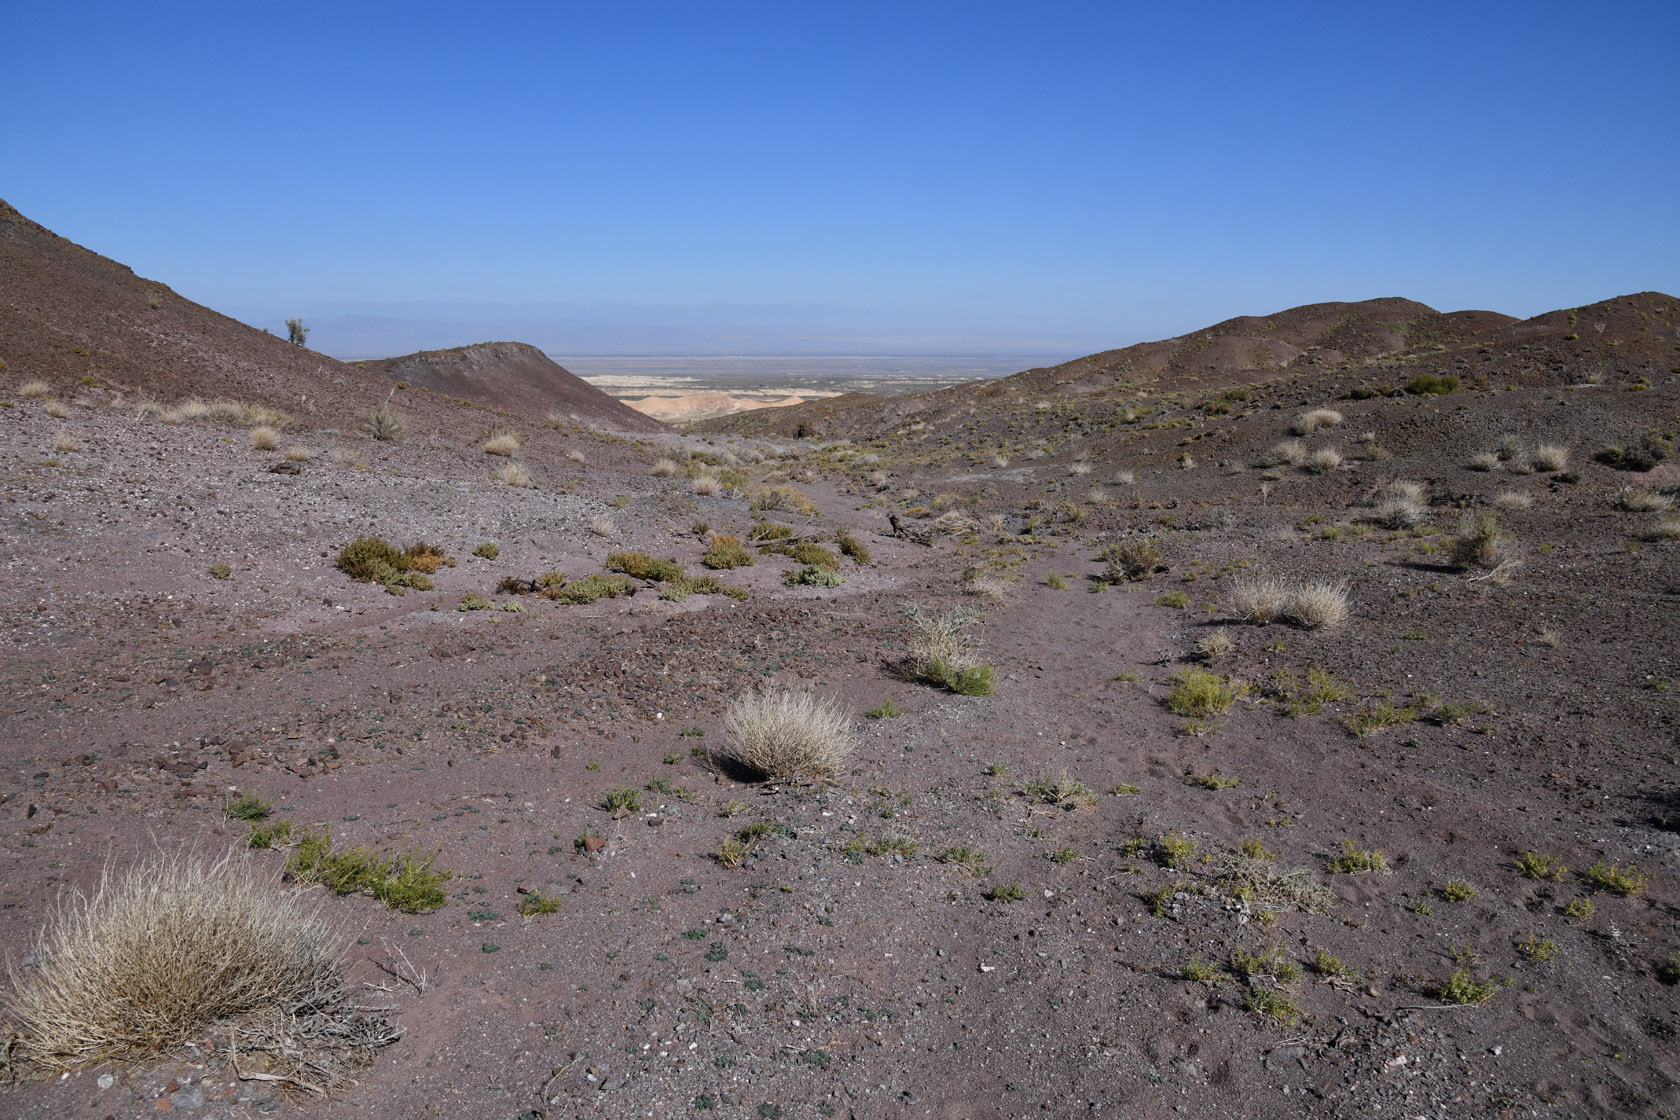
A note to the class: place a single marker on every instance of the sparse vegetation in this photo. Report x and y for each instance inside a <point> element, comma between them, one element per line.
<point>1479,541</point>
<point>1542,867</point>
<point>385,424</point>
<point>1062,792</point>
<point>726,552</point>
<point>374,560</point>
<point>1625,881</point>
<point>1309,605</point>
<point>408,883</point>
<point>1309,422</point>
<point>1432,384</point>
<point>1198,693</point>
<point>1132,559</point>
<point>1355,860</point>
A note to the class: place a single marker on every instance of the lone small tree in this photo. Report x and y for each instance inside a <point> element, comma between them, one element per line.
<point>296,331</point>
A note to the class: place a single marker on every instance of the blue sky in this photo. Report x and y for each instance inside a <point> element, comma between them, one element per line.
<point>977,177</point>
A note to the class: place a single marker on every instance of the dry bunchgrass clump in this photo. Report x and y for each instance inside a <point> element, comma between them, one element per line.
<point>942,652</point>
<point>1311,605</point>
<point>34,390</point>
<point>603,525</point>
<point>1000,460</point>
<point>1401,506</point>
<point>1323,460</point>
<point>148,410</point>
<point>784,497</point>
<point>1513,499</point>
<point>665,468</point>
<point>1479,543</point>
<point>994,588</point>
<point>58,410</point>
<point>385,424</point>
<point>1666,529</point>
<point>707,485</point>
<point>64,441</point>
<point>503,443</point>
<point>513,474</point>
<point>1309,422</point>
<point>1080,467</point>
<point>577,457</point>
<point>781,734</point>
<point>300,454</point>
<point>1215,645</point>
<point>264,438</point>
<point>1636,499</point>
<point>1550,457</point>
<point>1124,478</point>
<point>1484,461</point>
<point>161,951</point>
<point>1289,453</point>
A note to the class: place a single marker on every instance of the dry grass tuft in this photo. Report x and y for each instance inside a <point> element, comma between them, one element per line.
<point>1210,647</point>
<point>300,454</point>
<point>942,652</point>
<point>34,390</point>
<point>781,734</point>
<point>1309,422</point>
<point>264,438</point>
<point>159,952</point>
<point>1324,460</point>
<point>603,525</point>
<point>1311,605</point>
<point>1484,461</point>
<point>503,443</point>
<point>1289,453</point>
<point>1550,457</point>
<point>578,457</point>
<point>58,410</point>
<point>1666,529</point>
<point>513,474</point>
<point>994,588</point>
<point>386,424</point>
<point>1513,499</point>
<point>1636,499</point>
<point>1479,543</point>
<point>665,468</point>
<point>64,441</point>
<point>1401,506</point>
<point>707,485</point>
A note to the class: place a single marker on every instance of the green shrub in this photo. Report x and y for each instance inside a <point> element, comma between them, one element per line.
<point>851,546</point>
<point>476,603</point>
<point>1432,384</point>
<point>769,531</point>
<point>1059,793</point>
<point>727,552</point>
<point>489,550</point>
<point>1643,456</point>
<point>1355,860</point>
<point>1133,559</point>
<point>622,801</point>
<point>815,577</point>
<point>590,588</point>
<point>1622,880</point>
<point>374,560</point>
<point>408,882</point>
<point>220,571</point>
<point>814,555</point>
<point>1198,693</point>
<point>246,807</point>
<point>1536,865</point>
<point>639,565</point>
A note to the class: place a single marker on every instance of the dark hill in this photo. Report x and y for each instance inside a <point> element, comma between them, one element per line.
<point>515,377</point>
<point>67,313</point>
<point>1339,347</point>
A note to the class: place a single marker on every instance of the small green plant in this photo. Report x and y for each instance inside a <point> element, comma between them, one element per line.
<point>1126,789</point>
<point>1542,867</point>
<point>621,802</point>
<point>475,603</point>
<point>1580,908</point>
<point>726,553</point>
<point>374,560</point>
<point>266,836</point>
<point>970,860</point>
<point>1198,971</point>
<point>852,547</point>
<point>1270,963</point>
<point>1270,1003</point>
<point>888,710</point>
<point>246,807</point>
<point>1130,560</point>
<point>1432,384</point>
<point>1059,793</point>
<point>1056,581</point>
<point>1177,600</point>
<point>1669,971</point>
<point>1064,855</point>
<point>1378,716</point>
<point>1005,892</point>
<point>536,902</point>
<point>407,882</point>
<point>489,550</point>
<point>1297,699</point>
<point>1620,880</point>
<point>1213,779</point>
<point>1462,987</point>
<point>1457,890</point>
<point>220,571</point>
<point>639,565</point>
<point>1534,948</point>
<point>1355,860</point>
<point>1326,965</point>
<point>1174,849</point>
<point>731,852</point>
<point>996,769</point>
<point>1200,693</point>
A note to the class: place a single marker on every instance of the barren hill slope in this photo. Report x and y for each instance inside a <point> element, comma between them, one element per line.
<point>1337,347</point>
<point>514,376</point>
<point>67,313</point>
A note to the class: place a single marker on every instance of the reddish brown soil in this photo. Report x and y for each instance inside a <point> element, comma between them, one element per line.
<point>822,981</point>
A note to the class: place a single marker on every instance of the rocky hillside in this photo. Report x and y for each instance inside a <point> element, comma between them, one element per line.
<point>516,377</point>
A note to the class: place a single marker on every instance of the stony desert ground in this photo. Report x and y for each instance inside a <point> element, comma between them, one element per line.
<point>1418,861</point>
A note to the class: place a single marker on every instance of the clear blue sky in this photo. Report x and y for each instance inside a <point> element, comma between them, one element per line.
<point>1078,174</point>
